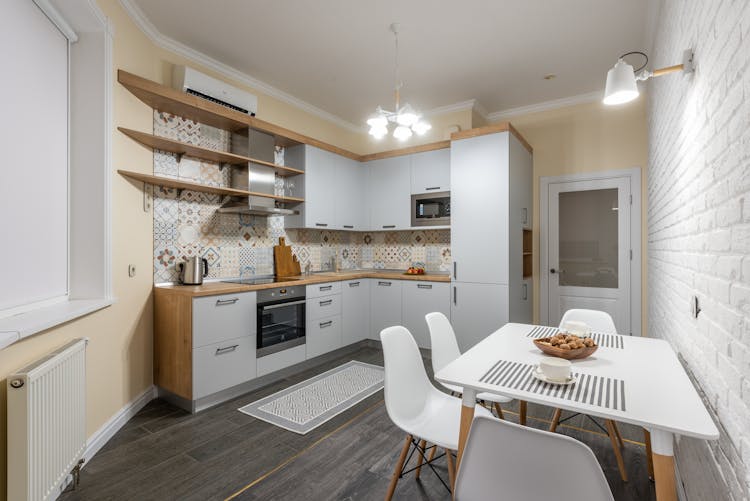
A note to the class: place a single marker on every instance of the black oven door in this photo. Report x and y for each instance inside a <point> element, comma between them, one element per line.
<point>281,325</point>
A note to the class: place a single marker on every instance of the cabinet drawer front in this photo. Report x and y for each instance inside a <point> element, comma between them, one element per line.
<point>323,335</point>
<point>326,289</point>
<point>324,306</point>
<point>218,318</point>
<point>222,365</point>
<point>280,360</point>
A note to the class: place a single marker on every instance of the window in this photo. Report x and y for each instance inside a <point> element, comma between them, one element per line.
<point>55,184</point>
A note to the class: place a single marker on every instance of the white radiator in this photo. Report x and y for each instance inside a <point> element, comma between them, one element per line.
<point>46,423</point>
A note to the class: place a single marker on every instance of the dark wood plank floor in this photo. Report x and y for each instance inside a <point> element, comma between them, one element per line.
<point>166,453</point>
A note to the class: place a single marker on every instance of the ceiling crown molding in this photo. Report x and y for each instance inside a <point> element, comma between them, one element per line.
<point>499,116</point>
<point>469,104</point>
<point>165,42</point>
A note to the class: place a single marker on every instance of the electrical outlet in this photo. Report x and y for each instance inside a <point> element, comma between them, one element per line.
<point>148,197</point>
<point>131,270</point>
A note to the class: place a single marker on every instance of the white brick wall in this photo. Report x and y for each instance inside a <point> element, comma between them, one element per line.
<point>699,216</point>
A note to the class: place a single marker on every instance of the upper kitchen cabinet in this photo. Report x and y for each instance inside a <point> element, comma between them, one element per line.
<point>431,171</point>
<point>389,193</point>
<point>317,185</point>
<point>351,195</point>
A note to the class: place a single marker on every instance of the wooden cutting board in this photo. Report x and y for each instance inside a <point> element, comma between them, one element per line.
<point>287,264</point>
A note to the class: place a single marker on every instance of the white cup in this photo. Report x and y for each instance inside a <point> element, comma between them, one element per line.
<point>555,369</point>
<point>580,329</point>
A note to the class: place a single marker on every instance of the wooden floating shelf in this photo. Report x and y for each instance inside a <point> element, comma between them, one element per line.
<point>179,184</point>
<point>180,148</point>
<point>163,98</point>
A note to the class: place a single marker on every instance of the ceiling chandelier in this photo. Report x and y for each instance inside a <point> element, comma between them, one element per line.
<point>407,120</point>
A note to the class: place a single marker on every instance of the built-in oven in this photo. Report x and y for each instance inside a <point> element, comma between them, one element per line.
<point>281,319</point>
<point>431,209</point>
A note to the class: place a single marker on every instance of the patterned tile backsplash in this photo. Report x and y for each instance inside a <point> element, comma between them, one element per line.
<point>189,225</point>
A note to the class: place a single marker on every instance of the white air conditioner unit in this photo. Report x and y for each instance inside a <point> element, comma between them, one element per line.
<point>194,82</point>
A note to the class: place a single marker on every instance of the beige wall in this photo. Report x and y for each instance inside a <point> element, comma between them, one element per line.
<point>586,138</point>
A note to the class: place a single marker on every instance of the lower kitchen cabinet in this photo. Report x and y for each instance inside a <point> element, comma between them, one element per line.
<point>477,310</point>
<point>323,335</point>
<point>385,305</point>
<point>355,301</point>
<point>419,299</point>
<point>222,365</point>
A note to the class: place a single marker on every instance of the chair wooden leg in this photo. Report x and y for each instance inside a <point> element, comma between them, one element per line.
<point>619,436</point>
<point>422,445</point>
<point>499,411</point>
<point>397,470</point>
<point>432,453</point>
<point>616,447</point>
<point>649,454</point>
<point>555,420</point>
<point>451,470</point>
<point>522,412</point>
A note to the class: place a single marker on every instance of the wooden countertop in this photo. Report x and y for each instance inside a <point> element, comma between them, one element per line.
<point>215,288</point>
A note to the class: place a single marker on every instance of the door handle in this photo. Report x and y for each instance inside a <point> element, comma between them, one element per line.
<point>223,302</point>
<point>323,225</point>
<point>325,288</point>
<point>424,286</point>
<point>354,284</point>
<point>432,188</point>
<point>387,226</point>
<point>323,325</point>
<point>326,302</point>
<point>348,226</point>
<point>455,272</point>
<point>228,349</point>
<point>455,295</point>
<point>553,271</point>
<point>525,294</point>
<point>385,284</point>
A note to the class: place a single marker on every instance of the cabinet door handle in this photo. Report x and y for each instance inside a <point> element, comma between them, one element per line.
<point>348,226</point>
<point>326,302</point>
<point>325,288</point>
<point>354,284</point>
<point>386,226</point>
<point>525,214</point>
<point>432,188</point>
<point>455,295</point>
<point>385,284</point>
<point>228,349</point>
<point>323,325</point>
<point>424,286</point>
<point>223,302</point>
<point>455,272</point>
<point>525,294</point>
<point>321,224</point>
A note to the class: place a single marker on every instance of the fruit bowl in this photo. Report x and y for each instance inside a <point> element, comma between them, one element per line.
<point>544,345</point>
<point>414,271</point>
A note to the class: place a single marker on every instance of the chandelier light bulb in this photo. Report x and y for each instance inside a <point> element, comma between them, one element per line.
<point>402,133</point>
<point>421,127</point>
<point>407,116</point>
<point>378,119</point>
<point>378,131</point>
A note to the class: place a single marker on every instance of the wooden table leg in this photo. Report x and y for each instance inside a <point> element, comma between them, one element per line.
<point>522,412</point>
<point>662,444</point>
<point>649,455</point>
<point>468,402</point>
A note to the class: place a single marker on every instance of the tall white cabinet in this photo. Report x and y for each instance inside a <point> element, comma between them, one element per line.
<point>491,179</point>
<point>389,193</point>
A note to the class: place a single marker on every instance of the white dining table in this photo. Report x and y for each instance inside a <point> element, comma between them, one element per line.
<point>628,379</point>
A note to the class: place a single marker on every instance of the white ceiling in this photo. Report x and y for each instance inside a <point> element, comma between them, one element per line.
<point>338,55</point>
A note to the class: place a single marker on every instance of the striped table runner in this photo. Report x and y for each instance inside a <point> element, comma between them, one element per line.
<point>600,391</point>
<point>601,339</point>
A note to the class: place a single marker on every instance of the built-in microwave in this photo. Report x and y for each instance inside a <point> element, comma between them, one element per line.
<point>431,209</point>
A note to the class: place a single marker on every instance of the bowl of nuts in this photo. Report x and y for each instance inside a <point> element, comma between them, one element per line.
<point>568,346</point>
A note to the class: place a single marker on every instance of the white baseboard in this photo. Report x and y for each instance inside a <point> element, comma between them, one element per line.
<point>113,425</point>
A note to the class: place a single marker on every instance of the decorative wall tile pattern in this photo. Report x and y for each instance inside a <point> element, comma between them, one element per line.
<point>188,224</point>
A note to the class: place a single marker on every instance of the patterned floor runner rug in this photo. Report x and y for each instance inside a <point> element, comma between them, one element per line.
<point>307,405</point>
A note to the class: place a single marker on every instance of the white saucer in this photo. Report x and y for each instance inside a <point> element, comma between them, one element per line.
<point>541,377</point>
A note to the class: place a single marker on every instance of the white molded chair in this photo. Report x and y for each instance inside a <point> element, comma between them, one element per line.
<point>426,414</point>
<point>600,321</point>
<point>503,459</point>
<point>445,350</point>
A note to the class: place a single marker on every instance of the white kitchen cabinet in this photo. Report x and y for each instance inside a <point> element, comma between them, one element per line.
<point>355,314</point>
<point>351,207</point>
<point>322,335</point>
<point>389,193</point>
<point>430,171</point>
<point>324,289</point>
<point>419,299</point>
<point>479,194</point>
<point>385,305</point>
<point>477,310</point>
<point>222,365</point>
<point>317,186</point>
<point>521,214</point>
<point>217,318</point>
<point>325,306</point>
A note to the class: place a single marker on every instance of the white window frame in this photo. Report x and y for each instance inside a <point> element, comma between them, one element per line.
<point>89,33</point>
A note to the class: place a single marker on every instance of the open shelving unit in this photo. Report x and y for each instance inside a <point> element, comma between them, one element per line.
<point>179,184</point>
<point>222,157</point>
<point>528,259</point>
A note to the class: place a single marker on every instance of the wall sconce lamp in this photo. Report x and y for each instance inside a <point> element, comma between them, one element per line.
<point>621,79</point>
